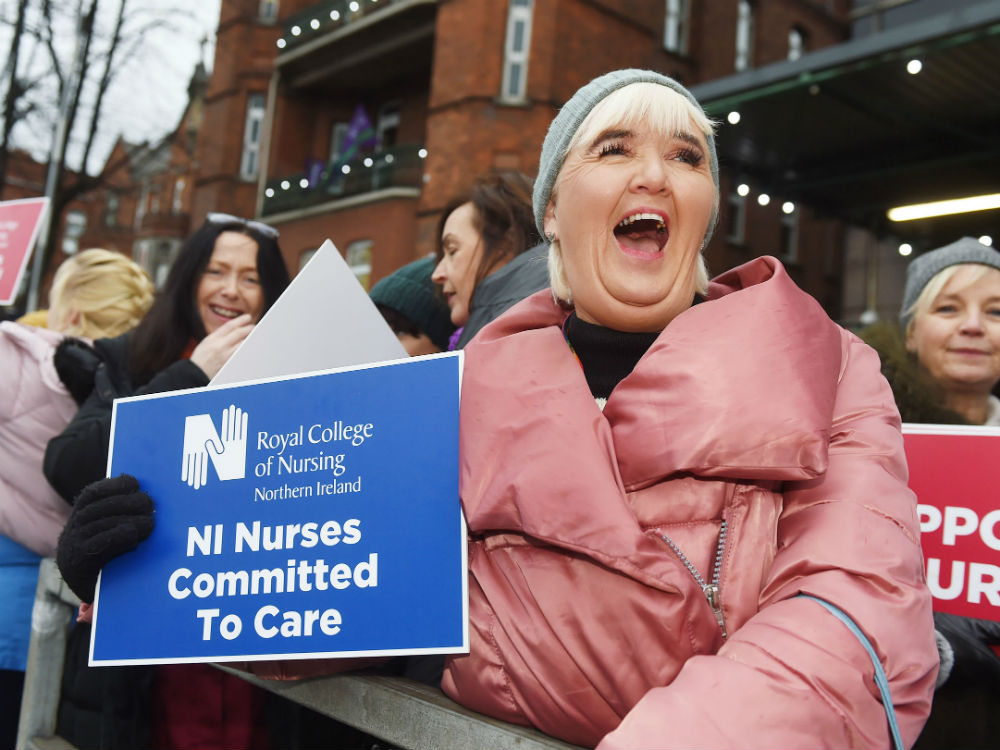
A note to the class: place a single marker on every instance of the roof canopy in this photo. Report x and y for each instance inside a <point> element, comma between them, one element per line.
<point>849,132</point>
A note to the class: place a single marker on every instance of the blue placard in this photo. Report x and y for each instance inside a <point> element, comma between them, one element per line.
<point>305,517</point>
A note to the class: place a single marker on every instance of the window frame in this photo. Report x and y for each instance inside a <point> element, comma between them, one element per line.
<point>514,86</point>
<point>252,136</point>
<point>676,26</point>
<point>744,35</point>
<point>362,270</point>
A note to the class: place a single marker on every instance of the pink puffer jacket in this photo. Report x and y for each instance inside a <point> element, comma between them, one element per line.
<point>753,408</point>
<point>34,407</point>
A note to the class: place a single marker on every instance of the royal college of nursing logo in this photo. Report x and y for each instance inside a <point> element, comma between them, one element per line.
<point>227,448</point>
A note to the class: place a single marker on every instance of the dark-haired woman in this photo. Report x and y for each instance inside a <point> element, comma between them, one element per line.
<point>227,275</point>
<point>489,252</point>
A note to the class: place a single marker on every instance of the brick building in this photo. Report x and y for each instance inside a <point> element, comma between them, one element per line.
<point>452,89</point>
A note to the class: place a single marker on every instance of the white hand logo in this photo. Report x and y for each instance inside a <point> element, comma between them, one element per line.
<point>198,430</point>
<point>230,459</point>
<point>202,442</point>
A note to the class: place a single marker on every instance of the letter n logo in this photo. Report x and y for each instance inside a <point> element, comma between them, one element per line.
<point>227,448</point>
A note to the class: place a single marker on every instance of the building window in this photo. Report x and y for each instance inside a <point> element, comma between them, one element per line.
<point>177,205</point>
<point>387,127</point>
<point>790,237</point>
<point>76,225</point>
<point>359,259</point>
<point>250,164</point>
<point>744,35</point>
<point>515,52</point>
<point>267,11</point>
<point>111,210</point>
<point>736,219</point>
<point>338,137</point>
<point>140,206</point>
<point>796,43</point>
<point>675,27</point>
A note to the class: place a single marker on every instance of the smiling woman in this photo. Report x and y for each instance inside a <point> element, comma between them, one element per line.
<point>225,277</point>
<point>943,363</point>
<point>654,467</point>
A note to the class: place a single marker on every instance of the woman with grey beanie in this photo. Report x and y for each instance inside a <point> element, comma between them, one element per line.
<point>672,485</point>
<point>943,362</point>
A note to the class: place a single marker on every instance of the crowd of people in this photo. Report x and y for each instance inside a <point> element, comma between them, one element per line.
<point>678,490</point>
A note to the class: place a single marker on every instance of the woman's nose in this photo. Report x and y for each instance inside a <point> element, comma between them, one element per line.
<point>438,275</point>
<point>972,323</point>
<point>230,285</point>
<point>651,174</point>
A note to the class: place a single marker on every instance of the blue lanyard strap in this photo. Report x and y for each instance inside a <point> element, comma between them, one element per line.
<point>880,679</point>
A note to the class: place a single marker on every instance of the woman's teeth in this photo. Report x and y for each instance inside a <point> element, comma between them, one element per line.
<point>224,312</point>
<point>661,226</point>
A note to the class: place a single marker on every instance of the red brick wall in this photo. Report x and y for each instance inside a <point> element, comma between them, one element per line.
<point>390,223</point>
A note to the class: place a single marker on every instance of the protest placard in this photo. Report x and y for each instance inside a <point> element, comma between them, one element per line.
<point>299,517</point>
<point>956,477</point>
<point>324,319</point>
<point>19,223</point>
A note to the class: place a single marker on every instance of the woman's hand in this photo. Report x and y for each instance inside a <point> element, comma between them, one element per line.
<point>110,517</point>
<point>216,348</point>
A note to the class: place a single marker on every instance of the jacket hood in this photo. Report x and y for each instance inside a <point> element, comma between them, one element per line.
<point>707,405</point>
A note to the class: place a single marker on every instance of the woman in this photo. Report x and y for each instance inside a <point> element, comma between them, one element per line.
<point>942,365</point>
<point>634,572</point>
<point>94,293</point>
<point>226,276</point>
<point>487,256</point>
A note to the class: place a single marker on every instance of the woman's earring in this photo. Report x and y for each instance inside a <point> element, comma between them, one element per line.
<point>551,237</point>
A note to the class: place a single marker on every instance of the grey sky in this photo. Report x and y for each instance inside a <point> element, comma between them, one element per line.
<point>149,92</point>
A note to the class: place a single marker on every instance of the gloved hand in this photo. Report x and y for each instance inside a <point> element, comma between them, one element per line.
<point>109,518</point>
<point>76,362</point>
<point>966,656</point>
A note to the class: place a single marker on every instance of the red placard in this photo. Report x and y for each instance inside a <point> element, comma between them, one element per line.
<point>19,223</point>
<point>955,472</point>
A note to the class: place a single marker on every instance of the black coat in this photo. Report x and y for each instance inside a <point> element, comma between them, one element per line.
<point>103,707</point>
<point>79,454</point>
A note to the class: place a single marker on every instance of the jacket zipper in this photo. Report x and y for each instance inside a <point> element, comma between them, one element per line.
<point>710,590</point>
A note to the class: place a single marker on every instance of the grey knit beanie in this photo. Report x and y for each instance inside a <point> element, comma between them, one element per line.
<point>572,115</point>
<point>925,267</point>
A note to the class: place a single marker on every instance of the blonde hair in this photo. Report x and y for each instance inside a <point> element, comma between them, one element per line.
<point>657,108</point>
<point>98,294</point>
<point>933,288</point>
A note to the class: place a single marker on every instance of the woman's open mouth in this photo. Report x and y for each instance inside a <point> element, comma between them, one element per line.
<point>225,312</point>
<point>642,234</point>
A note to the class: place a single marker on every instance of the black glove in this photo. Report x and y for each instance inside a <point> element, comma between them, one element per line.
<point>76,362</point>
<point>972,662</point>
<point>109,518</point>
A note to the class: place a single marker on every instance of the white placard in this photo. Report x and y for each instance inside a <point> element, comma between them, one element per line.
<point>324,319</point>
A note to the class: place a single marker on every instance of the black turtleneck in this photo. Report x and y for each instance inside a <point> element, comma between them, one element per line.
<point>607,356</point>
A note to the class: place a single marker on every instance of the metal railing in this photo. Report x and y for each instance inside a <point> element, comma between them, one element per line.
<point>405,713</point>
<point>399,166</point>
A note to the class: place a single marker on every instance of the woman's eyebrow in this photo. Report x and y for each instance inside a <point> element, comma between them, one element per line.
<point>690,138</point>
<point>611,135</point>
